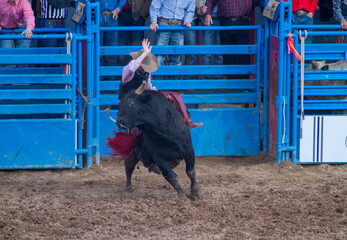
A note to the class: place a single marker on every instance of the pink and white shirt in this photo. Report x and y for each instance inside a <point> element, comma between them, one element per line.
<point>14,15</point>
<point>129,72</point>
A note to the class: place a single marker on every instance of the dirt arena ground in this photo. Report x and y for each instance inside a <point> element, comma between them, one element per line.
<point>241,198</point>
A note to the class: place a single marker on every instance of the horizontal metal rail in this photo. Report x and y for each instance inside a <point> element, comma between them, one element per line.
<point>36,109</point>
<point>189,70</point>
<point>190,84</point>
<point>36,59</point>
<point>224,98</point>
<point>178,28</point>
<point>35,79</point>
<point>185,49</point>
<point>36,94</point>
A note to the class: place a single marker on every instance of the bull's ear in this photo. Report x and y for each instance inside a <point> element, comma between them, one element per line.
<point>145,98</point>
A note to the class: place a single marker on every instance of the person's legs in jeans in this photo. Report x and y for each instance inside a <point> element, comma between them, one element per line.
<point>44,23</point>
<point>190,59</point>
<point>235,38</point>
<point>162,39</point>
<point>211,37</point>
<point>7,43</point>
<point>304,20</point>
<point>217,58</point>
<point>177,38</point>
<point>109,38</point>
<point>25,43</point>
<point>124,39</point>
<point>137,36</point>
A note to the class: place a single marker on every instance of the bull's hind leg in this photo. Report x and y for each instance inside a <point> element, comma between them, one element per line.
<point>172,178</point>
<point>130,164</point>
<point>191,174</point>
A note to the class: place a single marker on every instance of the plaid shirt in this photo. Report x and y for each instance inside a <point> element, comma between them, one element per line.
<point>338,16</point>
<point>230,8</point>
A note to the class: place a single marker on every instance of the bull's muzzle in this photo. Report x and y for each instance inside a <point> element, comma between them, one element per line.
<point>121,125</point>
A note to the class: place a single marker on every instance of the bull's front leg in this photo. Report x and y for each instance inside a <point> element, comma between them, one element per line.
<point>172,178</point>
<point>130,164</point>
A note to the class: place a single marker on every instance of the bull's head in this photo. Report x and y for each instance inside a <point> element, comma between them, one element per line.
<point>134,109</point>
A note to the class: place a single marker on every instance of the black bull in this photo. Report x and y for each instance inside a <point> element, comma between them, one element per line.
<point>166,137</point>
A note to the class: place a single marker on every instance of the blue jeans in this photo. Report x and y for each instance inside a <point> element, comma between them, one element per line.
<point>10,43</point>
<point>235,38</point>
<point>190,39</point>
<point>131,38</point>
<point>169,38</point>
<point>211,37</point>
<point>134,38</point>
<point>108,38</point>
<point>304,20</point>
<point>44,23</point>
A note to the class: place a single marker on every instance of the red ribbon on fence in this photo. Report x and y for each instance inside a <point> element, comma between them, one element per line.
<point>290,44</point>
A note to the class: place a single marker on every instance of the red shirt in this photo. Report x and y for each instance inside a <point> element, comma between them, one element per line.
<point>308,5</point>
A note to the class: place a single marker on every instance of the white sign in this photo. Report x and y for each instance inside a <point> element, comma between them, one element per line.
<point>324,139</point>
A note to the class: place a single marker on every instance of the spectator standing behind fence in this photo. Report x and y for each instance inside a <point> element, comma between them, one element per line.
<point>53,15</point>
<point>110,10</point>
<point>16,14</point>
<point>134,13</point>
<point>303,11</point>
<point>210,37</point>
<point>171,13</point>
<point>190,39</point>
<point>232,13</point>
<point>340,14</point>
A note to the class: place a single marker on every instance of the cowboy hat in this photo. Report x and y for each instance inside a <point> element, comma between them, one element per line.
<point>149,63</point>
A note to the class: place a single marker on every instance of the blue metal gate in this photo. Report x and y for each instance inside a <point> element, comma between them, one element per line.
<point>52,106</point>
<point>230,108</point>
<point>40,123</point>
<point>289,103</point>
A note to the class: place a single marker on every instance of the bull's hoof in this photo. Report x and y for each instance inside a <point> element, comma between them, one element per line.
<point>128,188</point>
<point>182,195</point>
<point>195,192</point>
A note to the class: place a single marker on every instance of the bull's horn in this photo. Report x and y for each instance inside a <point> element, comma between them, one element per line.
<point>141,88</point>
<point>107,110</point>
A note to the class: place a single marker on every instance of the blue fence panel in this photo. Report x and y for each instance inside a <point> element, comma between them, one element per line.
<point>38,114</point>
<point>230,128</point>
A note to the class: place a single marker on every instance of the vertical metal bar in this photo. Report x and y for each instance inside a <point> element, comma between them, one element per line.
<point>97,85</point>
<point>280,87</point>
<point>73,86</point>
<point>258,76</point>
<point>80,101</point>
<point>295,104</point>
<point>89,88</point>
<point>265,116</point>
<point>287,96</point>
